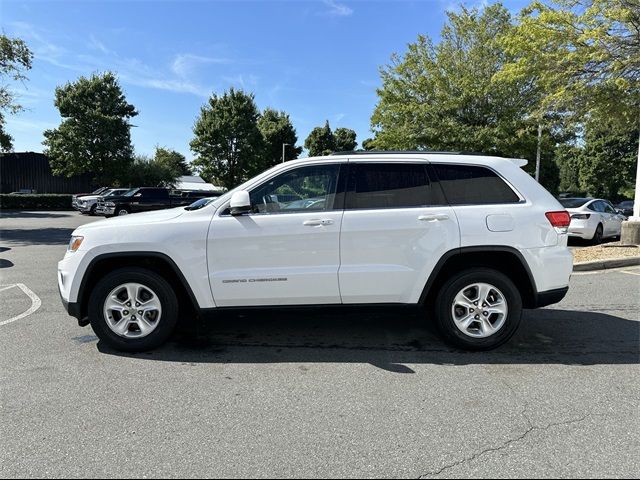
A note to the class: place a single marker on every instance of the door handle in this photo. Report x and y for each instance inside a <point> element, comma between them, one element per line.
<point>433,217</point>
<point>318,222</point>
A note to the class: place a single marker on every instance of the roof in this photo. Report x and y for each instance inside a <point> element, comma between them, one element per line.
<point>430,152</point>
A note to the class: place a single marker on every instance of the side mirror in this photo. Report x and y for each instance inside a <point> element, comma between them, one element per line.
<point>240,203</point>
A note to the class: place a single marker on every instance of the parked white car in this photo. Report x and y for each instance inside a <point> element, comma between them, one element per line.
<point>470,239</point>
<point>89,203</point>
<point>593,219</point>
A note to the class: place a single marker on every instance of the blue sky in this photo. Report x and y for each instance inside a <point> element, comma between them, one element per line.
<point>317,60</point>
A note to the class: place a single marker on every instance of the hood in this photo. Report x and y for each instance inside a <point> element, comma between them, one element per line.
<point>134,219</point>
<point>88,197</point>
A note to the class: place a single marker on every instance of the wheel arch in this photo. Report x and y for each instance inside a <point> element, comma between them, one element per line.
<point>157,262</point>
<point>507,260</point>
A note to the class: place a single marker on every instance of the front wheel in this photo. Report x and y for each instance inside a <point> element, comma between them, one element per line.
<point>122,211</point>
<point>133,310</point>
<point>478,309</point>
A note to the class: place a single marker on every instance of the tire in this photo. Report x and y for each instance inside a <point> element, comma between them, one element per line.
<point>478,335</point>
<point>92,211</point>
<point>122,211</point>
<point>158,324</point>
<point>597,235</point>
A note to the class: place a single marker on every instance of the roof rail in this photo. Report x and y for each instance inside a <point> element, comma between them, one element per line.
<point>429,152</point>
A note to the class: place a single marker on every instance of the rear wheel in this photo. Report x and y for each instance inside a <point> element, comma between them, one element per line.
<point>478,309</point>
<point>597,236</point>
<point>133,310</point>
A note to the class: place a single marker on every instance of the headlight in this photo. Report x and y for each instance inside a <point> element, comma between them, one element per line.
<point>110,204</point>
<point>75,243</point>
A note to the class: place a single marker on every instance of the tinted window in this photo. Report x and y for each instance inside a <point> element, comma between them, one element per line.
<point>304,189</point>
<point>573,202</point>
<point>473,185</point>
<point>154,193</point>
<point>390,185</point>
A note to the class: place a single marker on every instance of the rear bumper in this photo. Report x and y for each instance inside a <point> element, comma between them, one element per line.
<point>550,297</point>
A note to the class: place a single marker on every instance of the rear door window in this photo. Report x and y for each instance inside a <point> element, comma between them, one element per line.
<point>473,185</point>
<point>391,185</point>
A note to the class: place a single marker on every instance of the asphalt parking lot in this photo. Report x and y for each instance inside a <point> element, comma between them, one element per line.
<point>328,394</point>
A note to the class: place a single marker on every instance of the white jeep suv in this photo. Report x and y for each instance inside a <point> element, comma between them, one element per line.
<point>473,239</point>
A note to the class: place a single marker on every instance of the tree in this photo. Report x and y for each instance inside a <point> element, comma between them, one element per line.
<point>227,141</point>
<point>443,97</point>
<point>608,159</point>
<point>368,144</point>
<point>94,135</point>
<point>172,160</point>
<point>15,59</point>
<point>568,159</point>
<point>583,54</point>
<point>320,141</point>
<point>149,172</point>
<point>276,129</point>
<point>345,139</point>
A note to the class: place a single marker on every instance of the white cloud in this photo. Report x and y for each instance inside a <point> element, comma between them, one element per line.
<point>337,9</point>
<point>184,64</point>
<point>130,70</point>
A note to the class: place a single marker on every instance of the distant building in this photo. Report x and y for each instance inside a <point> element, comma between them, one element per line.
<point>29,171</point>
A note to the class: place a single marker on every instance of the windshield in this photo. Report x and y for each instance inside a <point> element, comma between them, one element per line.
<point>198,204</point>
<point>130,193</point>
<point>115,191</point>
<point>573,202</point>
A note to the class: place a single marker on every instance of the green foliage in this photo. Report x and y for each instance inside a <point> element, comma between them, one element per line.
<point>568,159</point>
<point>345,139</point>
<point>276,129</point>
<point>609,157</point>
<point>227,141</point>
<point>15,59</point>
<point>320,141</point>
<point>583,55</point>
<point>94,136</point>
<point>146,172</point>
<point>35,202</point>
<point>172,160</point>
<point>368,144</point>
<point>443,97</point>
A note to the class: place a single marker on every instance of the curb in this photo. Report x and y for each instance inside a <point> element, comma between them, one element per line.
<point>606,264</point>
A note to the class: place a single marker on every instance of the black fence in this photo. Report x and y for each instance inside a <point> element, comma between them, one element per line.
<point>31,171</point>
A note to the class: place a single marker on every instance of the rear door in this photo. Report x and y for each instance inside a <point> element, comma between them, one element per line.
<point>396,226</point>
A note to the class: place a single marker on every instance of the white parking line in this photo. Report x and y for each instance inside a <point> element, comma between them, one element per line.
<point>36,303</point>
<point>630,273</point>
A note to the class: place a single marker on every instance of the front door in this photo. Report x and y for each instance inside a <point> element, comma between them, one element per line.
<point>286,251</point>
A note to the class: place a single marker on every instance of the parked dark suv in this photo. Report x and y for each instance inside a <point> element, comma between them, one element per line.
<point>146,199</point>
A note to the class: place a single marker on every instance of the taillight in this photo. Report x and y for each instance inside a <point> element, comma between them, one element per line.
<point>559,220</point>
<point>581,216</point>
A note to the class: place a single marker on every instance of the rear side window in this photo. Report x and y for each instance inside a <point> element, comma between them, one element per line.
<point>390,185</point>
<point>473,185</point>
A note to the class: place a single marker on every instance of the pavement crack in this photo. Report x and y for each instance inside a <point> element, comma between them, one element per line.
<point>531,428</point>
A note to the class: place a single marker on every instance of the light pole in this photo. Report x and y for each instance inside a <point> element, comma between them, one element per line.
<point>283,147</point>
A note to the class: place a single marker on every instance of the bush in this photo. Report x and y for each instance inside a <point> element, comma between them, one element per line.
<point>35,202</point>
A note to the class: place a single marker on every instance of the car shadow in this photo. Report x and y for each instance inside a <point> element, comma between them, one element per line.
<point>23,214</point>
<point>4,263</point>
<point>394,340</point>
<point>36,236</point>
